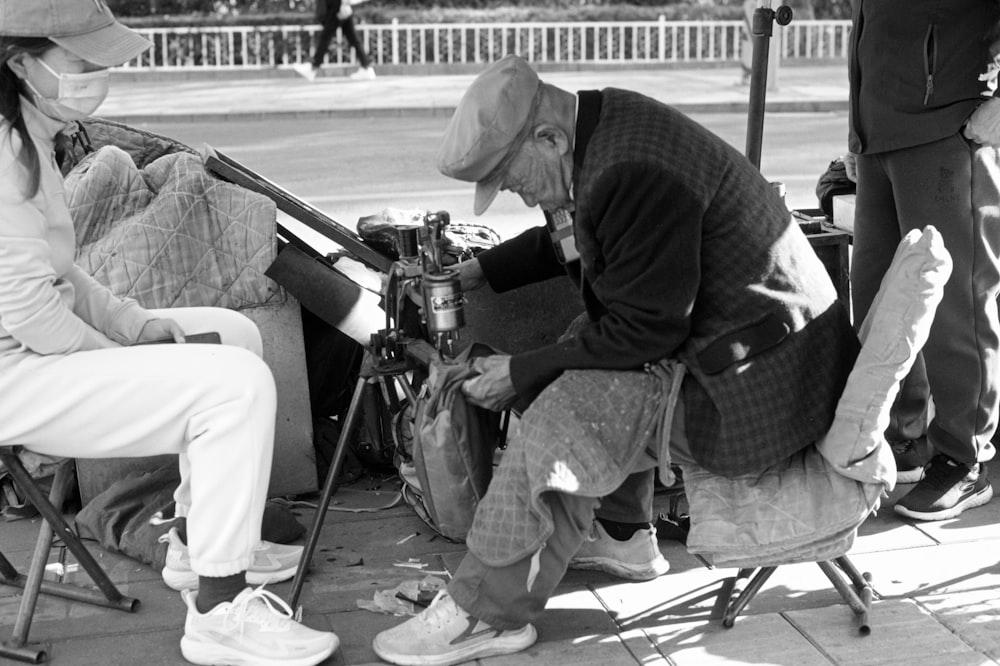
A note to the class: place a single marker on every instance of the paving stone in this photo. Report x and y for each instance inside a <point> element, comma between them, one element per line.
<point>759,640</point>
<point>974,616</point>
<point>887,531</point>
<point>58,619</point>
<point>932,570</point>
<point>149,648</point>
<point>902,633</point>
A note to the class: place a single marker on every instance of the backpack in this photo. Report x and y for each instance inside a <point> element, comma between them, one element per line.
<point>453,443</point>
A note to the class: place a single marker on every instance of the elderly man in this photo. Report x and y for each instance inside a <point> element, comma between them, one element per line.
<point>712,334</point>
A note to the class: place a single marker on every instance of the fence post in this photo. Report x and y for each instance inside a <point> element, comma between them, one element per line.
<point>395,41</point>
<point>662,27</point>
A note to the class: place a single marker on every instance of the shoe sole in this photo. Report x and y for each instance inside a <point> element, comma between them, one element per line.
<point>206,653</point>
<point>970,502</point>
<point>188,580</point>
<point>616,568</point>
<point>506,643</point>
<point>910,475</point>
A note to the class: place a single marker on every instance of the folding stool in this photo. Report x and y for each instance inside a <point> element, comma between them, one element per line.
<point>108,595</point>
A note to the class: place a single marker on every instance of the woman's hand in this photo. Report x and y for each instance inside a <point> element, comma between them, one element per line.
<point>161,329</point>
<point>492,388</point>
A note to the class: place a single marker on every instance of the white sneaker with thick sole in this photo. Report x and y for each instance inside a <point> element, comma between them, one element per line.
<point>271,563</point>
<point>254,629</point>
<point>639,558</point>
<point>306,71</point>
<point>444,634</point>
<point>363,74</point>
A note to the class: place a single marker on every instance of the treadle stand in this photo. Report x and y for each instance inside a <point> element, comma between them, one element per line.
<point>107,595</point>
<point>856,590</point>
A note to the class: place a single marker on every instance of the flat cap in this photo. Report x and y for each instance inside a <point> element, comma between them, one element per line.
<point>489,125</point>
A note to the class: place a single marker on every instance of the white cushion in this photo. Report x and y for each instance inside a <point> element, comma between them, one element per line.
<point>892,334</point>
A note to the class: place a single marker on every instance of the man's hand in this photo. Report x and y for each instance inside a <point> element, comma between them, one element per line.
<point>492,388</point>
<point>471,274</point>
<point>161,329</point>
<point>983,125</point>
<point>345,10</point>
<point>851,166</point>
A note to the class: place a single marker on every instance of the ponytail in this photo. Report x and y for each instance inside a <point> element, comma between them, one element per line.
<point>11,89</point>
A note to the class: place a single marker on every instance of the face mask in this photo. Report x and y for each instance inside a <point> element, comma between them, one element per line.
<point>78,96</point>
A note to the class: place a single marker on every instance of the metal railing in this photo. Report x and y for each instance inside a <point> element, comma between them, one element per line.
<point>625,42</point>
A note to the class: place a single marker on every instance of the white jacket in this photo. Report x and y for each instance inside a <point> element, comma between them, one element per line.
<point>48,305</point>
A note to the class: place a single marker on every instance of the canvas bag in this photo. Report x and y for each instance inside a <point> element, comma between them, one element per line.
<point>453,446</point>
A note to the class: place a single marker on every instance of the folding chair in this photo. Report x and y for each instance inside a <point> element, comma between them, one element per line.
<point>108,595</point>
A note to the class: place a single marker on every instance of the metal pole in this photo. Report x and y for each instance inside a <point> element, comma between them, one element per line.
<point>763,28</point>
<point>328,489</point>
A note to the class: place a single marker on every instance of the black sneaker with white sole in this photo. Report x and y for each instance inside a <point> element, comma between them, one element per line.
<point>947,489</point>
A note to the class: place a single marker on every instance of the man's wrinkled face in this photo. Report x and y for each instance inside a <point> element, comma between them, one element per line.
<point>539,174</point>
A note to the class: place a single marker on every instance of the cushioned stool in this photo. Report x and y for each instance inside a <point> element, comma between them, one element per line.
<point>17,647</point>
<point>809,507</point>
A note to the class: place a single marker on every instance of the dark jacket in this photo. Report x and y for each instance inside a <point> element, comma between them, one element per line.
<point>914,69</point>
<point>687,252</point>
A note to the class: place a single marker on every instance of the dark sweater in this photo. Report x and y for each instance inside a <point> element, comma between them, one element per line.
<point>686,252</point>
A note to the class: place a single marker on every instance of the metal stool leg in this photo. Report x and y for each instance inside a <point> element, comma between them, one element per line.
<point>33,583</point>
<point>329,486</point>
<point>741,596</point>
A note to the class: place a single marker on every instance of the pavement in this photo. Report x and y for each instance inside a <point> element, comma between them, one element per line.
<point>138,97</point>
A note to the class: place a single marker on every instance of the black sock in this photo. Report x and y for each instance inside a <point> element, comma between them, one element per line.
<point>181,525</point>
<point>621,531</point>
<point>213,590</point>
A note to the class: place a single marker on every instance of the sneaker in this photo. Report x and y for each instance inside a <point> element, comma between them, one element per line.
<point>947,489</point>
<point>254,629</point>
<point>444,634</point>
<point>306,70</point>
<point>363,74</point>
<point>912,456</point>
<point>272,563</point>
<point>639,558</point>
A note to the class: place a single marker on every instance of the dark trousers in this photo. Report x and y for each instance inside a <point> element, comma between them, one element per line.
<point>330,25</point>
<point>953,185</point>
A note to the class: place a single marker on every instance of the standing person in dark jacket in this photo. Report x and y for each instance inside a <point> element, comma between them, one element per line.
<point>923,140</point>
<point>712,332</point>
<point>338,14</point>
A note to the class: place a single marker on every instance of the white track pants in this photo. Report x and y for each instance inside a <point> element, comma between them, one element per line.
<point>214,405</point>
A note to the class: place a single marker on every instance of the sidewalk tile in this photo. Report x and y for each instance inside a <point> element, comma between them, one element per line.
<point>759,640</point>
<point>902,634</point>
<point>973,615</point>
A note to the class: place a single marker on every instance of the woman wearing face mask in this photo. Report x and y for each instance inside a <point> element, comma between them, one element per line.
<point>74,380</point>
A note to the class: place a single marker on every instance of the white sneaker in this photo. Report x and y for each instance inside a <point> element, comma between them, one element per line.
<point>306,70</point>
<point>639,558</point>
<point>254,629</point>
<point>363,74</point>
<point>444,634</point>
<point>270,563</point>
